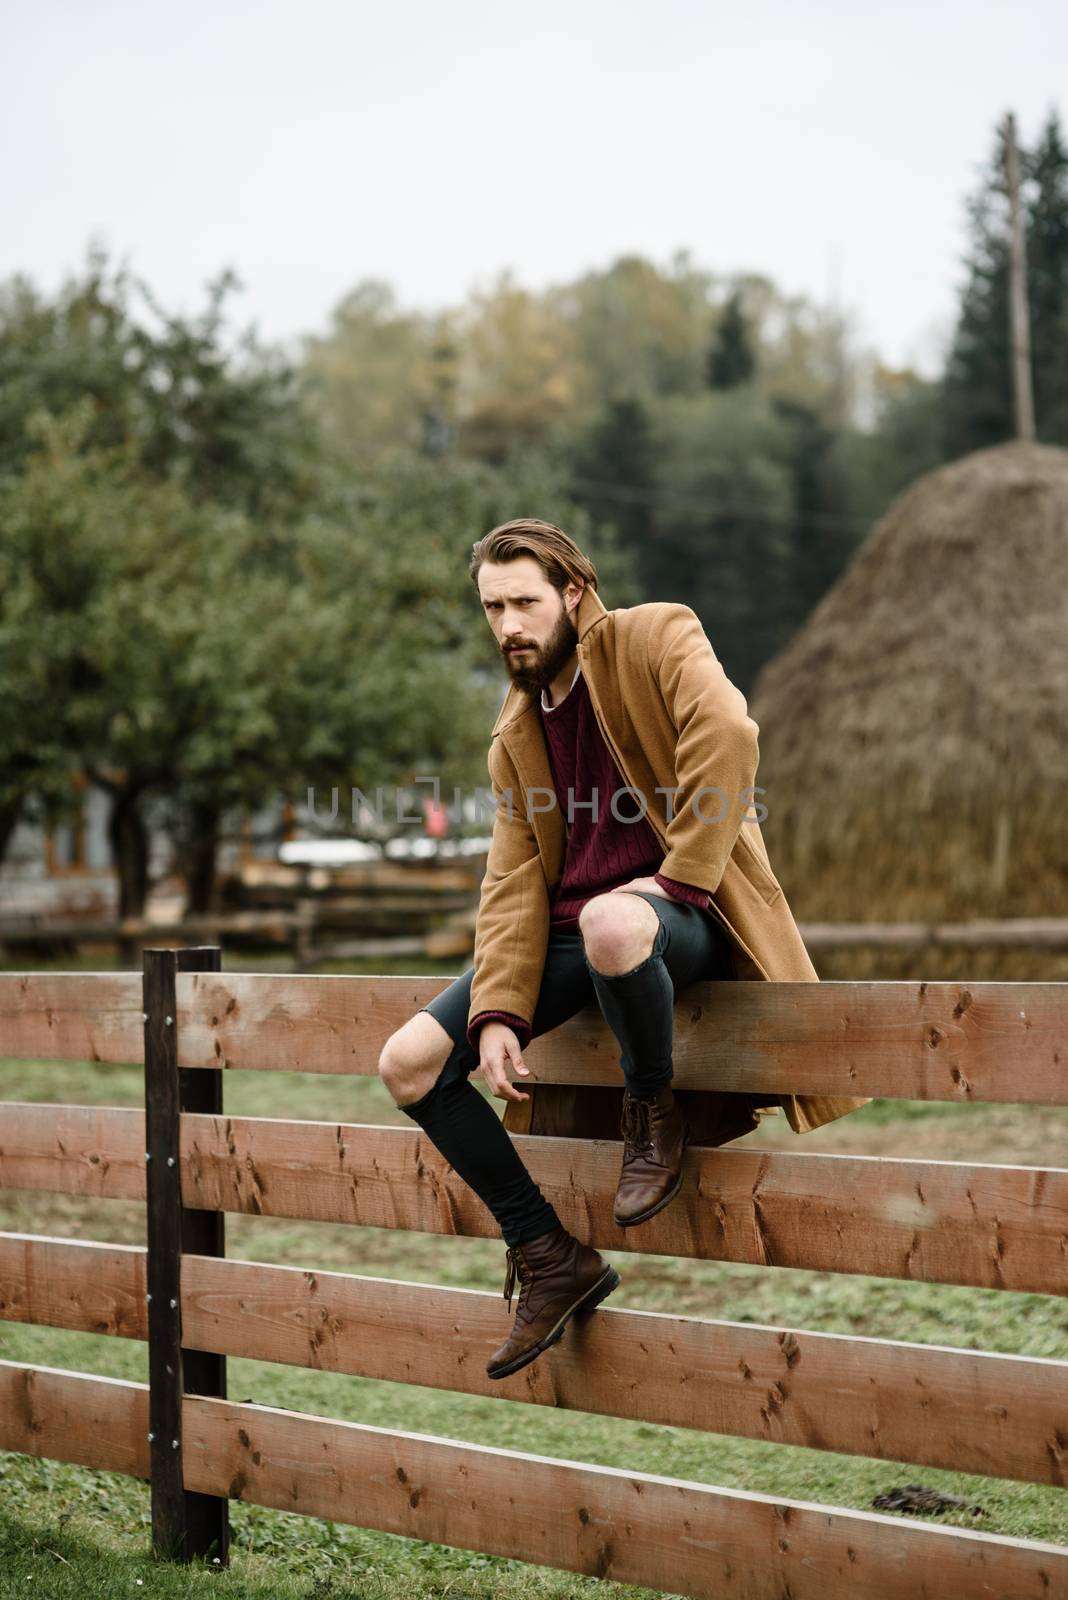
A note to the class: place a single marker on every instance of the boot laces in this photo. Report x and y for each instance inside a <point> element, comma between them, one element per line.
<point>518,1266</point>
<point>637,1125</point>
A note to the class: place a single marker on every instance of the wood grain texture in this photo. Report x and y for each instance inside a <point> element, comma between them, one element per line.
<point>601,1521</point>
<point>71,1016</point>
<point>995,1227</point>
<point>80,1284</point>
<point>917,1041</point>
<point>604,1522</point>
<point>68,1416</point>
<point>926,1041</point>
<point>97,1151</point>
<point>964,1410</point>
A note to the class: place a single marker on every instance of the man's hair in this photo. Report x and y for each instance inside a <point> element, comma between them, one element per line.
<point>558,556</point>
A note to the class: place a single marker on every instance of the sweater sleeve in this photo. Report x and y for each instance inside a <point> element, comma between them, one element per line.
<point>520,1028</point>
<point>684,892</point>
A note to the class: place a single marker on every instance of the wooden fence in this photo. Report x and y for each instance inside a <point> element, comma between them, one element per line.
<point>441,926</point>
<point>1000,1227</point>
<point>377,911</point>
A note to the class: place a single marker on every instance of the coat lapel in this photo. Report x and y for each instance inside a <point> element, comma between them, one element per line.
<point>767,943</point>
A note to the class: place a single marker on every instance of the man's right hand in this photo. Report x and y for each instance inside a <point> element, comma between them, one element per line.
<point>498,1048</point>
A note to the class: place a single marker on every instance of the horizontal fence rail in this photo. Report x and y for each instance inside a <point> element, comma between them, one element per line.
<point>902,1040</point>
<point>993,1227</point>
<point>976,1224</point>
<point>995,933</point>
<point>928,1404</point>
<point>899,1040</point>
<point>72,1016</point>
<point>602,1521</point>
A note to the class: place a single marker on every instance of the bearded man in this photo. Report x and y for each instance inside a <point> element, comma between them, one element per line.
<point>599,888</point>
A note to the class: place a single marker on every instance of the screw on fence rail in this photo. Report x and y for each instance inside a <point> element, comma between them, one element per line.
<point>185,1525</point>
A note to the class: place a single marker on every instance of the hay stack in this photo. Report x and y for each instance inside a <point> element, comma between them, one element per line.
<point>914,734</point>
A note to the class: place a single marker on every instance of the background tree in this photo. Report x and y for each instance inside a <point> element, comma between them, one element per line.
<point>722,522</point>
<point>186,582</point>
<point>978,384</point>
<point>977,395</point>
<point>731,359</point>
<point>197,530</point>
<point>192,671</point>
<point>74,524</point>
<point>614,473</point>
<point>214,410</point>
<point>518,371</point>
<point>905,441</point>
<point>834,497</point>
<point>638,330</point>
<point>1047,274</point>
<point>37,765</point>
<point>596,375</point>
<point>372,372</point>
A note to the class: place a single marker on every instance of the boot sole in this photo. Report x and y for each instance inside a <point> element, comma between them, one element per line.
<point>665,1200</point>
<point>608,1281</point>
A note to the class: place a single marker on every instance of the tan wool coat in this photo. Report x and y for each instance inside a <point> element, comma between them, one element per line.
<point>672,720</point>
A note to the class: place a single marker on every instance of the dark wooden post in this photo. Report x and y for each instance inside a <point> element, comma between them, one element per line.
<point>185,1525</point>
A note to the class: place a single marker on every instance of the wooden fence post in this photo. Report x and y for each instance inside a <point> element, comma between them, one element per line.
<point>185,1525</point>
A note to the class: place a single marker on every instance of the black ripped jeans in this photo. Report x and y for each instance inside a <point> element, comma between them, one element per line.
<point>689,946</point>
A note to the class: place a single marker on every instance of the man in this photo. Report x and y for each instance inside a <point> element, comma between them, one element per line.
<point>625,865</point>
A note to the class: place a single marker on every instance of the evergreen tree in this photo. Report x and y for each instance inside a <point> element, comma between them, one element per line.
<point>977,387</point>
<point>723,518</point>
<point>978,377</point>
<point>1047,273</point>
<point>823,531</point>
<point>731,360</point>
<point>613,473</point>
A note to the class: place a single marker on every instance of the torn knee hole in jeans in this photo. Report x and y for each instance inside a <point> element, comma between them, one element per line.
<point>657,950</point>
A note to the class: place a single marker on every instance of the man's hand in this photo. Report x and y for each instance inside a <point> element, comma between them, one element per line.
<point>648,886</point>
<point>498,1046</point>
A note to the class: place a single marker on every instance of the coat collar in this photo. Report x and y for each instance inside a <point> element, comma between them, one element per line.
<point>517,701</point>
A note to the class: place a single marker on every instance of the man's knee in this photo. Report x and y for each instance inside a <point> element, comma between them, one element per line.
<point>618,931</point>
<point>412,1059</point>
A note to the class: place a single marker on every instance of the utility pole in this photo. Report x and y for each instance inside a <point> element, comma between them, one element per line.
<point>1019,323</point>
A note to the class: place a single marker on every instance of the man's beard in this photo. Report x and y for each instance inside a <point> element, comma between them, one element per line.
<point>536,670</point>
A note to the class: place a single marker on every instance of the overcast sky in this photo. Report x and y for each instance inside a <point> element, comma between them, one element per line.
<point>435,142</point>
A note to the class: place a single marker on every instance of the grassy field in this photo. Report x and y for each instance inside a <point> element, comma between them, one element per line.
<point>68,1531</point>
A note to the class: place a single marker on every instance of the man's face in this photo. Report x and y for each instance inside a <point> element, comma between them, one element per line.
<point>532,622</point>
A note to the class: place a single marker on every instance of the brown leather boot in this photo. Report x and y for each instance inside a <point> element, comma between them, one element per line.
<point>654,1138</point>
<point>558,1276</point>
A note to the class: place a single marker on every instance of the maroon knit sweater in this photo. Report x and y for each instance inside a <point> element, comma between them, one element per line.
<point>602,852</point>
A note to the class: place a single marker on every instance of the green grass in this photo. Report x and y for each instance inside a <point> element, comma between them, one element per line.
<point>67,1531</point>
<point>102,958</point>
<point>69,1534</point>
